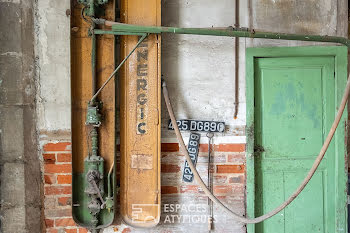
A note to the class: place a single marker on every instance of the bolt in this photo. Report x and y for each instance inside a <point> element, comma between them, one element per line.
<point>68,12</point>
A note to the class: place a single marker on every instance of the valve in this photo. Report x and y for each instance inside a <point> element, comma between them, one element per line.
<point>96,203</point>
<point>93,117</point>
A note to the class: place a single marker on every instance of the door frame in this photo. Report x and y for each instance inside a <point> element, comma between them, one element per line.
<point>340,57</point>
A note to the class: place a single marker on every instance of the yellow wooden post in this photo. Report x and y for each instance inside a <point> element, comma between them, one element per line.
<point>140,99</point>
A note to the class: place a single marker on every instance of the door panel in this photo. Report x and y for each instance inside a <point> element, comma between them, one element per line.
<point>294,109</point>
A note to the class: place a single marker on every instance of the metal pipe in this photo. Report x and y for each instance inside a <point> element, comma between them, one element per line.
<point>109,181</point>
<point>108,32</point>
<point>93,48</point>
<point>119,66</point>
<point>93,62</point>
<point>94,143</point>
<point>229,32</point>
<point>235,114</point>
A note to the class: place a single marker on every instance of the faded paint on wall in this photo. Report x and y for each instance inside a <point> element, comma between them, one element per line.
<point>53,56</point>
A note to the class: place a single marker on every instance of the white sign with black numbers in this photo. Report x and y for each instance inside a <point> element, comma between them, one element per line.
<point>201,126</point>
<point>192,148</point>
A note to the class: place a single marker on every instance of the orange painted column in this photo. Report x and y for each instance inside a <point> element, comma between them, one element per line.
<point>140,99</point>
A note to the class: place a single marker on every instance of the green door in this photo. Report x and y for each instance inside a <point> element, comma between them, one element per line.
<point>295,100</point>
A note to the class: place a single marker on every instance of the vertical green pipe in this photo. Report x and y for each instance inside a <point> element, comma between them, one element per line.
<point>93,61</point>
<point>94,143</point>
<point>93,47</point>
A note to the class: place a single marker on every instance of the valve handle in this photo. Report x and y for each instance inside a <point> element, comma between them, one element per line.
<point>93,182</point>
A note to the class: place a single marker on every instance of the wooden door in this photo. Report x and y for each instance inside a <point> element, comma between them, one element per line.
<point>295,99</point>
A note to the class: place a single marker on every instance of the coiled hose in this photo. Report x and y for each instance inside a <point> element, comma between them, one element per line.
<point>296,192</point>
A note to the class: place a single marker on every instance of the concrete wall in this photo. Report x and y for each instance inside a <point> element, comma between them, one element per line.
<point>53,53</point>
<point>21,183</point>
<point>200,72</point>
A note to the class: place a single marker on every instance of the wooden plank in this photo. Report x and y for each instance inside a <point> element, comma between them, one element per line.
<point>140,118</point>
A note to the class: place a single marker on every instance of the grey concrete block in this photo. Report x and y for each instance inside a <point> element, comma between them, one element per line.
<point>11,134</point>
<point>13,220</point>
<point>10,18</point>
<point>33,218</point>
<point>11,83</point>
<point>12,184</point>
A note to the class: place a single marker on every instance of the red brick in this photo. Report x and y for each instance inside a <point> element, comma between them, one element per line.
<point>190,189</point>
<point>222,189</point>
<point>60,146</point>
<point>56,190</point>
<point>168,168</point>
<point>236,158</point>
<point>63,201</point>
<point>169,189</point>
<point>203,147</point>
<point>49,223</point>
<point>49,158</point>
<point>64,179</point>
<point>126,230</point>
<point>58,168</point>
<point>83,230</point>
<point>52,230</point>
<point>64,157</point>
<point>64,222</point>
<point>230,147</point>
<point>50,179</point>
<point>230,168</point>
<point>237,180</point>
<point>220,179</point>
<point>71,231</point>
<point>54,213</point>
<point>170,147</point>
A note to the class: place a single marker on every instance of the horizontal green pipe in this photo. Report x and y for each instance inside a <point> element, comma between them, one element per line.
<point>229,32</point>
<point>102,32</point>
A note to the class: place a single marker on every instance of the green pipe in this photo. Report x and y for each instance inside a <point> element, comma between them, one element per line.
<point>94,143</point>
<point>103,32</point>
<point>229,32</point>
<point>91,13</point>
<point>93,62</point>
<point>109,181</point>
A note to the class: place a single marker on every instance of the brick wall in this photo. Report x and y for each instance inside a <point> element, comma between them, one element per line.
<point>57,170</point>
<point>228,170</point>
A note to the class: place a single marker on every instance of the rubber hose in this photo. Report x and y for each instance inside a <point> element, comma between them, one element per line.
<point>296,192</point>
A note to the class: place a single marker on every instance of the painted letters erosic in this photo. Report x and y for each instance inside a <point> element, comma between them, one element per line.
<point>142,82</point>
